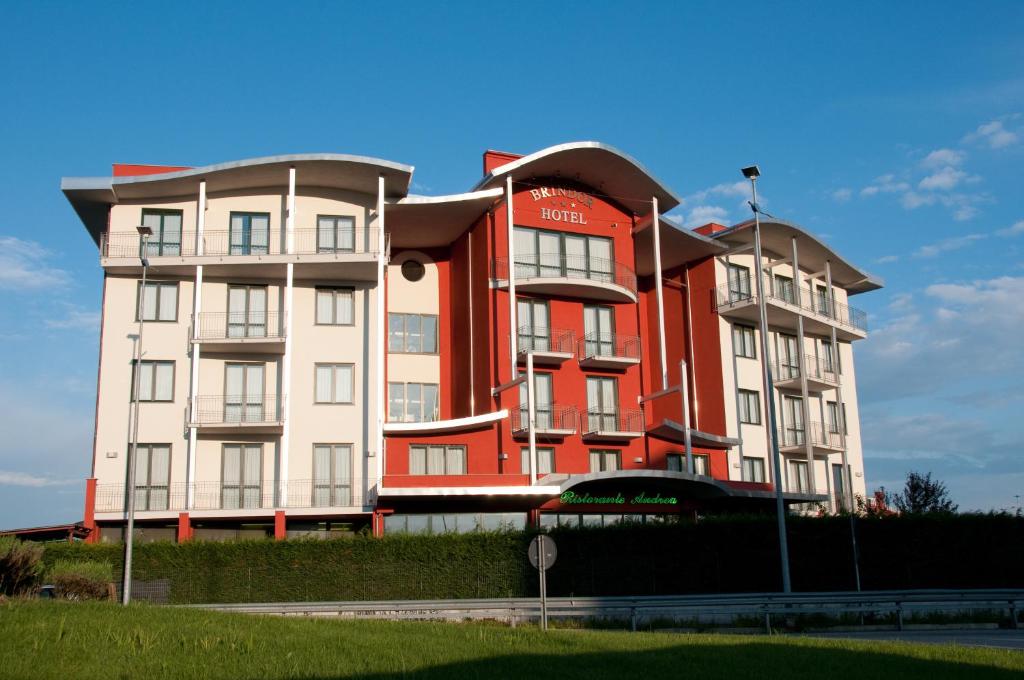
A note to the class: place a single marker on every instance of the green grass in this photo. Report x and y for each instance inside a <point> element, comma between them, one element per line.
<point>76,641</point>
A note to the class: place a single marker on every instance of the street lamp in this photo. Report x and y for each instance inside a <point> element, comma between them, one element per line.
<point>752,173</point>
<point>126,584</point>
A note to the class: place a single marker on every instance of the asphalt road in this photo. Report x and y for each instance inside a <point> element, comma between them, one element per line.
<point>1005,639</point>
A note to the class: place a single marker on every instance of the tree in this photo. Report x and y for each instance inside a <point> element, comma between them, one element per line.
<point>922,494</point>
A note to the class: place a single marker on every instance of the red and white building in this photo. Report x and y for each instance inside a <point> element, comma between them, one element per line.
<point>372,349</point>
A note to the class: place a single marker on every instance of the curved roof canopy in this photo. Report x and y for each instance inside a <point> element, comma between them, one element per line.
<point>678,246</point>
<point>776,237</point>
<point>428,221</point>
<point>608,170</point>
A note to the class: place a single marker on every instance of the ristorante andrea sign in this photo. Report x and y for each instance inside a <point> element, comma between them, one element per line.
<point>573,498</point>
<point>565,202</point>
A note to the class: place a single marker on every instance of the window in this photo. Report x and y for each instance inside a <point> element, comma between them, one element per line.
<point>599,330</point>
<point>158,301</point>
<point>335,306</point>
<point>242,476</point>
<point>701,463</point>
<point>739,283</point>
<point>750,407</point>
<point>602,405</point>
<point>156,381</point>
<point>789,357</point>
<point>454,522</point>
<point>542,402</point>
<point>534,328</point>
<point>166,226</point>
<point>784,289</point>
<point>793,425</point>
<point>436,459</point>
<point>604,461</point>
<point>839,485</point>
<point>798,479</point>
<point>554,254</point>
<point>830,357</point>
<point>412,333</point>
<point>249,234</point>
<point>545,460</point>
<point>335,234</point>
<point>836,423</point>
<point>152,475</point>
<point>743,342</point>
<point>753,470</point>
<point>412,402</point>
<point>247,311</point>
<point>334,383</point>
<point>332,475</point>
<point>822,302</point>
<point>243,393</point>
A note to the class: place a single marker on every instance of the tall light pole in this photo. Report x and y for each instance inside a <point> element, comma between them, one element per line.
<point>126,584</point>
<point>752,173</point>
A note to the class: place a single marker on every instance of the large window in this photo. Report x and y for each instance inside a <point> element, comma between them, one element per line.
<point>160,301</point>
<point>412,402</point>
<point>454,522</point>
<point>335,234</point>
<point>242,476</point>
<point>545,460</point>
<point>334,383</point>
<point>743,342</point>
<point>701,463</point>
<point>753,469</point>
<point>152,475</point>
<point>412,333</point>
<point>554,254</point>
<point>156,381</point>
<point>793,421</point>
<point>836,418</point>
<point>602,404</point>
<point>822,301</point>
<point>247,311</point>
<point>542,401</point>
<point>243,393</point>
<point>750,407</point>
<point>335,306</point>
<point>830,357</point>
<point>599,330</point>
<point>798,478</point>
<point>166,226</point>
<point>534,328</point>
<point>332,475</point>
<point>604,461</point>
<point>436,459</point>
<point>789,357</point>
<point>249,233</point>
<point>784,289</point>
<point>739,283</point>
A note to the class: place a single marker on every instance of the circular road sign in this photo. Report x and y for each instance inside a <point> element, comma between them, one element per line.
<point>550,551</point>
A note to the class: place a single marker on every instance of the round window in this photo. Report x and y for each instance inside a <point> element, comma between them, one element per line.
<point>413,270</point>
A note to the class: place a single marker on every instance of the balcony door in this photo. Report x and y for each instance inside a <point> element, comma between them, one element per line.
<point>789,357</point>
<point>739,283</point>
<point>599,330</point>
<point>166,226</point>
<point>793,413</point>
<point>534,325</point>
<point>602,405</point>
<point>249,234</point>
<point>243,393</point>
<point>242,476</point>
<point>542,406</point>
<point>247,311</point>
<point>332,475</point>
<point>335,234</point>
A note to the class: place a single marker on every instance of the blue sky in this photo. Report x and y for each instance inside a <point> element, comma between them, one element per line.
<point>894,130</point>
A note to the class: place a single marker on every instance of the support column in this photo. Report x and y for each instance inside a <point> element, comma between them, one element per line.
<point>513,328</point>
<point>840,406</point>
<point>286,364</point>
<point>195,349</point>
<point>89,517</point>
<point>381,373</point>
<point>684,393</point>
<point>802,367</point>
<point>662,354</point>
<point>280,526</point>
<point>184,527</point>
<point>531,412</point>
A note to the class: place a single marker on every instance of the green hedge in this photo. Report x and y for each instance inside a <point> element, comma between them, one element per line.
<point>715,555</point>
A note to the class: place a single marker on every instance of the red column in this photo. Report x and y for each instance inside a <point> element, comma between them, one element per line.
<point>184,527</point>
<point>89,519</point>
<point>280,530</point>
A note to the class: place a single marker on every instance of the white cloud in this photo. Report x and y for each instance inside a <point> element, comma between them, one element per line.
<point>9,478</point>
<point>945,179</point>
<point>842,195</point>
<point>994,134</point>
<point>76,319</point>
<point>702,214</point>
<point>942,158</point>
<point>739,189</point>
<point>24,266</point>
<point>1015,229</point>
<point>946,245</point>
<point>885,184</point>
<point>887,259</point>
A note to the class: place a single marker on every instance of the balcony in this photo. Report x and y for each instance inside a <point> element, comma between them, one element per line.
<point>820,377</point>
<point>241,498</point>
<point>824,440</point>
<point>624,424</point>
<point>553,421</point>
<point>574,276</point>
<point>609,350</point>
<point>255,332</point>
<point>238,413</point>
<point>550,346</point>
<point>738,300</point>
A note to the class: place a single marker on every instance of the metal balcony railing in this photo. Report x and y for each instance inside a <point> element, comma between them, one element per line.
<point>817,370</point>
<point>556,266</point>
<point>238,325</point>
<point>221,243</point>
<point>334,241</point>
<point>624,420</point>
<point>233,495</point>
<point>540,339</point>
<point>609,345</point>
<point>736,292</point>
<point>250,409</point>
<point>548,418</point>
<point>818,434</point>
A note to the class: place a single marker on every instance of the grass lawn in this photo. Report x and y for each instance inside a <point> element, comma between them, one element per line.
<point>75,641</point>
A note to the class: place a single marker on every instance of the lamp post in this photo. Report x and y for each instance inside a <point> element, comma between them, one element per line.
<point>752,173</point>
<point>126,584</point>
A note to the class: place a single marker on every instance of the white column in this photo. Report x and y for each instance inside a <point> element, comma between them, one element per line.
<point>283,399</point>
<point>531,412</point>
<point>513,328</point>
<point>379,345</point>
<point>684,392</point>
<point>197,309</point>
<point>840,416</point>
<point>802,367</point>
<point>289,238</point>
<point>661,298</point>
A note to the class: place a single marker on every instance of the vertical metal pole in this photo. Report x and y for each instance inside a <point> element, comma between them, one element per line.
<point>769,396</point>
<point>381,339</point>
<point>542,564</point>
<point>197,310</point>
<point>856,556</point>
<point>684,392</point>
<point>513,329</point>
<point>286,366</point>
<point>531,417</point>
<point>126,583</point>
<point>662,354</point>
<point>805,397</point>
<point>830,311</point>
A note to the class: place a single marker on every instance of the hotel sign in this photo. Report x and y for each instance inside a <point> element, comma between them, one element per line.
<point>573,498</point>
<point>565,201</point>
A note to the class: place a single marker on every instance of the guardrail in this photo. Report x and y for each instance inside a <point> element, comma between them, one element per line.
<point>542,339</point>
<point>614,345</point>
<point>730,293</point>
<point>238,495</point>
<point>556,266</point>
<point>238,325</point>
<point>725,608</point>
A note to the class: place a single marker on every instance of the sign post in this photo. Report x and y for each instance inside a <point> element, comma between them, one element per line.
<point>543,553</point>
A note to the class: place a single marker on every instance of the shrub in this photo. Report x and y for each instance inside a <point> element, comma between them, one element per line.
<point>73,580</point>
<point>20,565</point>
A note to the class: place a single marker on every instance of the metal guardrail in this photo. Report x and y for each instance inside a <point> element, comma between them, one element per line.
<point>227,243</point>
<point>239,326</point>
<point>621,421</point>
<point>729,294</point>
<point>763,606</point>
<point>240,495</point>
<point>817,433</point>
<point>542,339</point>
<point>547,418</point>
<point>614,345</point>
<point>558,266</point>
